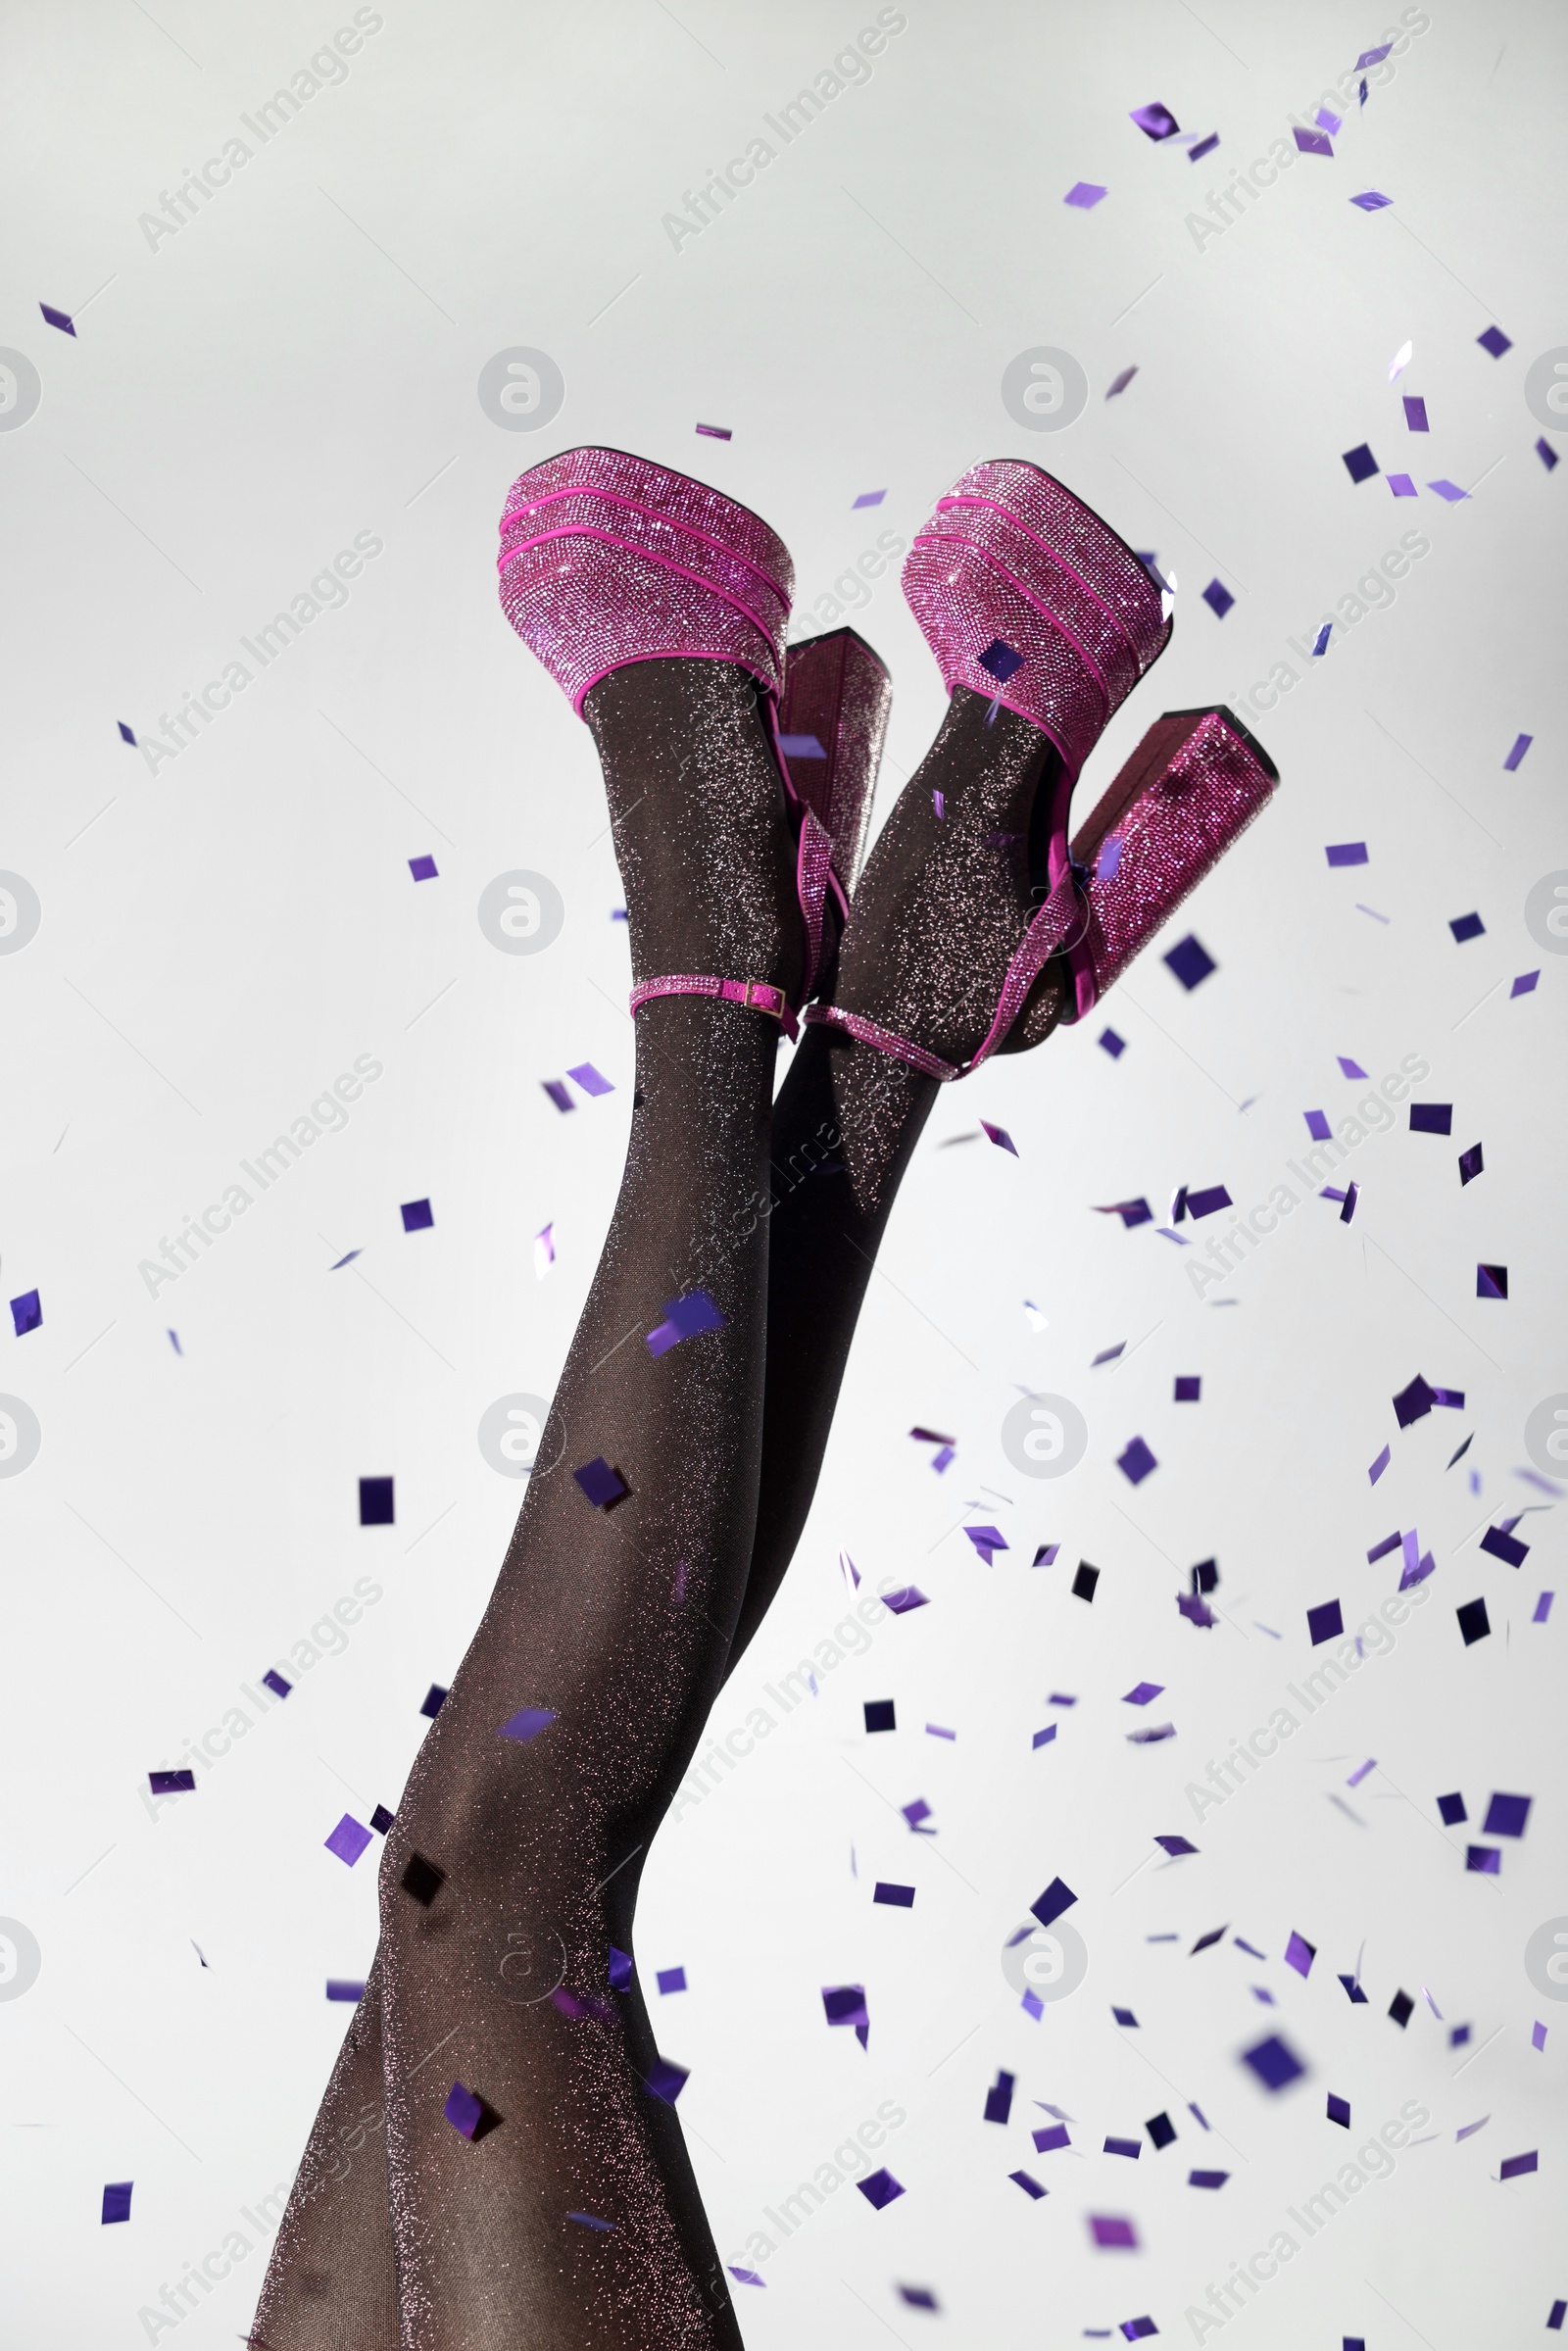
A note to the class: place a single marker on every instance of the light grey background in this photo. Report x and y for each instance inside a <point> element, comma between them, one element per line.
<point>221,937</point>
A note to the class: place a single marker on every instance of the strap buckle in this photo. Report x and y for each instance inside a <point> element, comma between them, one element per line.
<point>753,995</point>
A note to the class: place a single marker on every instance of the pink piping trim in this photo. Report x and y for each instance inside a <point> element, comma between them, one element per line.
<point>582,530</point>
<point>1052,619</point>
<point>1060,561</point>
<point>655,515</point>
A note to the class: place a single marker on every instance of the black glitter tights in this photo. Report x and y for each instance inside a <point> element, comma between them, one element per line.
<point>622,1621</point>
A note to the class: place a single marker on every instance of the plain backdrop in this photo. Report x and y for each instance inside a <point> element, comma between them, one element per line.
<point>223,932</point>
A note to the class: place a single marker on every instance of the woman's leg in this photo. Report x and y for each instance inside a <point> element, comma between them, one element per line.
<point>570,2216</point>
<point>934,921</point>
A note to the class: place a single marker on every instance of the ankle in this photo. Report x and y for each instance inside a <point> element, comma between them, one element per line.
<point>702,827</point>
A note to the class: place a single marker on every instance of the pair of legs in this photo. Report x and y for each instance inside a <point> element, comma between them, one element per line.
<point>624,1621</point>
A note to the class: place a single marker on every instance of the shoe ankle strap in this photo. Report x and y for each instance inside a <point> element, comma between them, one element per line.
<point>1050,933</point>
<point>753,995</point>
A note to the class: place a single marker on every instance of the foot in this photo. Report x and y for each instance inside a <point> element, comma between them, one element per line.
<point>945,899</point>
<point>702,830</point>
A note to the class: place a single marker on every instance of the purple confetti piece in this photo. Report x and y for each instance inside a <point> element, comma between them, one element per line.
<point>587,2220</point>
<point>600,1483</point>
<point>1000,661</point>
<point>1538,2035</point>
<point>1049,2136</point>
<point>1328,120</point>
<point>557,1093</point>
<point>1517,2165</point>
<point>463,2111</point>
<point>869,498</point>
<point>273,1681</point>
<point>1274,2062</point>
<point>1338,2110</point>
<point>894,1897</point>
<point>1121,382</point>
<point>685,1317</point>
<point>1351,1199</point>
<point>341,1988</point>
<point>1431,1118</point>
<point>1219,601</point>
<point>1415,412</point>
<point>1358,462</point>
<point>1347,852</point>
<point>1206,2178</point>
<point>60,318</point>
<point>1132,2147</point>
<point>1506,1816</point>
<point>1154,120</point>
<point>622,1970</point>
<point>1326,1622</point>
<point>1360,1771</point>
<point>1141,1694</point>
<point>1046,1555</point>
<point>1379,1467</point>
<point>1111,1042</point>
<point>526,1724</point>
<point>1521,744</point>
<point>1136,1462</point>
<point>1317,1126</point>
<point>348,1840</point>
<point>126,734</point>
<point>1188,1388</point>
<point>1000,1137</point>
<point>1450,1810</point>
<point>1175,1846</point>
<point>1492,1281</point>
<point>435,1698</point>
<point>880,2190</point>
<point>1413,1403</point>
<point>1349,1068</point>
<point>1057,1897</point>
<point>1204,147</point>
<point>1312,142</point>
<point>665,2080</point>
<point>1131,1211</point>
<point>715,432</point>
<point>1372,57</point>
<point>1506,1548</point>
<point>423,869</point>
<point>172,1783</point>
<point>1449,491</point>
<point>800,747</point>
<point>1546,453</point>
<point>747,2277</point>
<point>1113,2234</point>
<point>1525,984</point>
<point>418,1215</point>
<point>1085,195</point>
<point>1299,1955</point>
<point>1474,1623</point>
<point>1031,2187</point>
<point>845,2004</point>
<point>1208,1204</point>
<point>1191,961</point>
<point>1542,1607</point>
<point>591,1080</point>
<point>116,2202</point>
<point>1371,200</point>
<point>1125,2018</point>
<point>1402,485</point>
<point>27,1313</point>
<point>1495,341</point>
<point>918,2298</point>
<point>903,1603</point>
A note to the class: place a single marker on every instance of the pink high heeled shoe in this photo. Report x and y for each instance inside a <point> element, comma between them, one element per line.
<point>607,560</point>
<point>1026,596</point>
